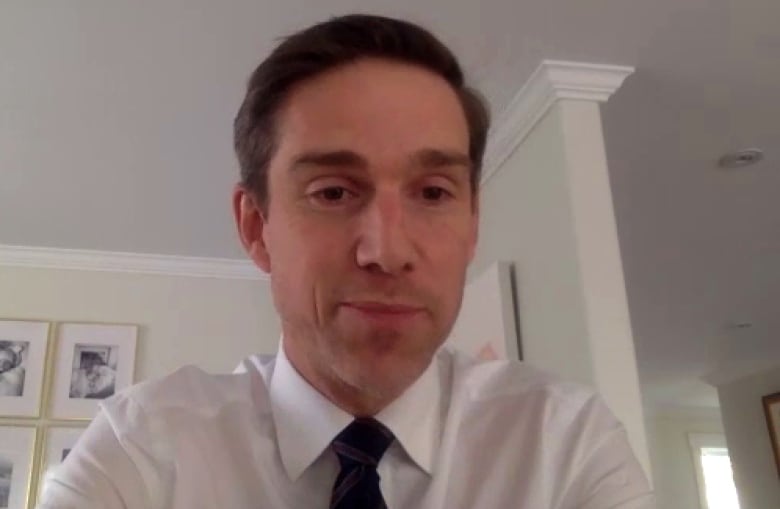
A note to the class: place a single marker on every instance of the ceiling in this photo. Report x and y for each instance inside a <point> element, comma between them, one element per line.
<point>115,134</point>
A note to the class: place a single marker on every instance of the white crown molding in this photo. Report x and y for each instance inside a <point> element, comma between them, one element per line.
<point>73,259</point>
<point>737,369</point>
<point>551,81</point>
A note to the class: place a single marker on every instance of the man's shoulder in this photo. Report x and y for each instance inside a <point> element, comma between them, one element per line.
<point>505,378</point>
<point>522,387</point>
<point>192,390</point>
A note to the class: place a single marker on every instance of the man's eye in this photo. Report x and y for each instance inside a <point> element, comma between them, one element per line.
<point>433,193</point>
<point>332,194</point>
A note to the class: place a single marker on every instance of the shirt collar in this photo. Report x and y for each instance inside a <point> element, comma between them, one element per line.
<point>297,406</point>
<point>414,417</point>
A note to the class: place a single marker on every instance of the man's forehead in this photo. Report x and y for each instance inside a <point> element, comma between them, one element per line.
<point>363,72</point>
<point>355,95</point>
<point>402,116</point>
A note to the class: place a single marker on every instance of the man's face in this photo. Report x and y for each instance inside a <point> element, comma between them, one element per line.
<point>370,224</point>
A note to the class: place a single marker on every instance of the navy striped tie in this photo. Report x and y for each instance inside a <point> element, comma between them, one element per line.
<point>359,448</point>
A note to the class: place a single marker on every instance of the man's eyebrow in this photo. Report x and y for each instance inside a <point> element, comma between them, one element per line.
<point>329,158</point>
<point>428,158</point>
<point>438,158</point>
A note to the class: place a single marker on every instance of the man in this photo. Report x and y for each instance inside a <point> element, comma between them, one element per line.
<point>360,151</point>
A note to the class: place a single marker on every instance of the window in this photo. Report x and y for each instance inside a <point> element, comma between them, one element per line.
<point>713,471</point>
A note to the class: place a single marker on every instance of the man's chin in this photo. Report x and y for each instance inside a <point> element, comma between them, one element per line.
<point>388,376</point>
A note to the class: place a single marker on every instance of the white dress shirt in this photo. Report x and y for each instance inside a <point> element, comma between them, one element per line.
<point>488,435</point>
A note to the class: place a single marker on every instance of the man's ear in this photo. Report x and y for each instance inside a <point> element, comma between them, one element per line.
<point>251,223</point>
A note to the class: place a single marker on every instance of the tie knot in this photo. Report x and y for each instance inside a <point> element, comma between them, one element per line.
<point>363,441</point>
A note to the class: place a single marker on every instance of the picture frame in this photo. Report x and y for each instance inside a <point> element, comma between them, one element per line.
<point>24,347</point>
<point>17,457</point>
<point>772,412</point>
<point>486,327</point>
<point>57,443</point>
<point>93,362</point>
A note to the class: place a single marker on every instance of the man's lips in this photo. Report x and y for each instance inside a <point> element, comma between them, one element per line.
<point>384,314</point>
<point>383,308</point>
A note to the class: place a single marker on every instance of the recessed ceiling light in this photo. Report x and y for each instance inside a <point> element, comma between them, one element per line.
<point>741,158</point>
<point>739,325</point>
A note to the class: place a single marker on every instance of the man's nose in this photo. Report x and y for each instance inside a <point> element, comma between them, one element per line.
<point>385,243</point>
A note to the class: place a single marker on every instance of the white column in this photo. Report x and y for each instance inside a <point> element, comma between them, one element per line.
<point>547,207</point>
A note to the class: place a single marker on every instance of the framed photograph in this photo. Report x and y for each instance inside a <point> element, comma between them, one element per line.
<point>17,447</point>
<point>57,443</point>
<point>772,412</point>
<point>93,362</point>
<point>23,348</point>
<point>486,327</point>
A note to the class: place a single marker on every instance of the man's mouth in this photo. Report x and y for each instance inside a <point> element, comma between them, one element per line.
<point>388,313</point>
<point>383,307</point>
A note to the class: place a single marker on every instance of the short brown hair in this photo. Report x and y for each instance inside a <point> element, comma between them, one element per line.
<point>328,45</point>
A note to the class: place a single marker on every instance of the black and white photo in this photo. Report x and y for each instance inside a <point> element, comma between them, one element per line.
<point>94,371</point>
<point>6,476</point>
<point>13,357</point>
<point>23,349</point>
<point>17,447</point>
<point>93,362</point>
<point>57,444</point>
